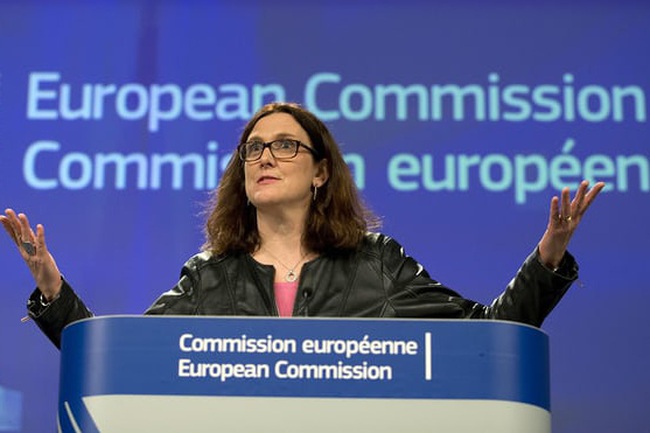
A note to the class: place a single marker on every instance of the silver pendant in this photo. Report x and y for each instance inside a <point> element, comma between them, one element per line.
<point>291,276</point>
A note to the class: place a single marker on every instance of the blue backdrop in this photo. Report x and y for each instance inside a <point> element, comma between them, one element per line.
<point>459,119</point>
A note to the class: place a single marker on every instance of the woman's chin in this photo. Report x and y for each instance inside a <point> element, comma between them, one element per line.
<point>268,202</point>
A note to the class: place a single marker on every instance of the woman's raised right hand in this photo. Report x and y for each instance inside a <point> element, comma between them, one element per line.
<point>32,248</point>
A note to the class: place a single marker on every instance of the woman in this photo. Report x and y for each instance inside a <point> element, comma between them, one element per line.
<point>287,235</point>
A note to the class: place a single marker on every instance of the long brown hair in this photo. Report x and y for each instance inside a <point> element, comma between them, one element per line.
<point>337,219</point>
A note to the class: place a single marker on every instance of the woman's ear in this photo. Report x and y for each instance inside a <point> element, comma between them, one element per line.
<point>322,174</point>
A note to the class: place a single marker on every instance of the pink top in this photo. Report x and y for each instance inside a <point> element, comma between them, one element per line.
<point>285,297</point>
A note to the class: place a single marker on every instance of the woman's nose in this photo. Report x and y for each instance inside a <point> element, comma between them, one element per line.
<point>266,156</point>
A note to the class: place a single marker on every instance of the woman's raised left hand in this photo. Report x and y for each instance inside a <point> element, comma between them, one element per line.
<point>564,217</point>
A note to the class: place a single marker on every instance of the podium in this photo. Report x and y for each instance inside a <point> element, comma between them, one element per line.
<point>208,374</point>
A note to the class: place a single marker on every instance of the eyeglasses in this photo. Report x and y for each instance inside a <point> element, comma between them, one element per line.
<point>284,148</point>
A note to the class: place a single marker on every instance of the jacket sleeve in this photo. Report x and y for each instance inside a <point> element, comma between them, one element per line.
<point>68,307</point>
<point>52,317</point>
<point>528,298</point>
<point>182,298</point>
<point>534,291</point>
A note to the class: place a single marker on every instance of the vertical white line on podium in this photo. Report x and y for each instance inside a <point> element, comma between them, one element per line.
<point>427,356</point>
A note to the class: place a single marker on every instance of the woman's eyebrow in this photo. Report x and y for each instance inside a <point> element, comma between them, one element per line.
<point>275,137</point>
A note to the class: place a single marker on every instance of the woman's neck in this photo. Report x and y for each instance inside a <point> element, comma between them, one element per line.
<point>282,230</point>
<point>282,244</point>
<point>282,234</point>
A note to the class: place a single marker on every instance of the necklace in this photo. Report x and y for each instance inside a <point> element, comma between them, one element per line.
<point>291,275</point>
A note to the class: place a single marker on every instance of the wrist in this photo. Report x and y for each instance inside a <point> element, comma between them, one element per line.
<point>49,293</point>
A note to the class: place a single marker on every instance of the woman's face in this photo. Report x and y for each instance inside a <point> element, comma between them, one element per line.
<point>285,183</point>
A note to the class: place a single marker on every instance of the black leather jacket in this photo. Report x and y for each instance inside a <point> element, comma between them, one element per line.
<point>377,280</point>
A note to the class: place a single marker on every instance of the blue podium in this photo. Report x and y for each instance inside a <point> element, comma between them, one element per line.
<point>207,374</point>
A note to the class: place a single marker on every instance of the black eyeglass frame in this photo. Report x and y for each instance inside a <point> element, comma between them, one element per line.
<point>241,148</point>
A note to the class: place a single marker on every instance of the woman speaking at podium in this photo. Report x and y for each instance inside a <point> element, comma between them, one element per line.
<point>287,235</point>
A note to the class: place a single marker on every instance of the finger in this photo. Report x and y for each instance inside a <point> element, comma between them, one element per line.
<point>592,194</point>
<point>27,236</point>
<point>565,211</point>
<point>40,238</point>
<point>554,211</point>
<point>14,224</point>
<point>580,196</point>
<point>26,233</point>
<point>13,219</point>
<point>9,228</point>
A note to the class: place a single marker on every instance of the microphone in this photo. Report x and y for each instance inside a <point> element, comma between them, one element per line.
<point>306,295</point>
